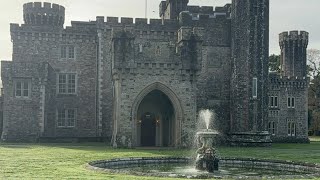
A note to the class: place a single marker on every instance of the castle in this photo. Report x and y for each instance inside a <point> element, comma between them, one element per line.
<point>139,82</point>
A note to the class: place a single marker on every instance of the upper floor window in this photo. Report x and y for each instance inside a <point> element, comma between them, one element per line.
<point>254,87</point>
<point>158,51</point>
<point>291,102</point>
<point>22,88</point>
<point>273,101</point>
<point>66,118</point>
<point>272,128</point>
<point>291,128</point>
<point>67,52</point>
<point>67,83</point>
<point>140,48</point>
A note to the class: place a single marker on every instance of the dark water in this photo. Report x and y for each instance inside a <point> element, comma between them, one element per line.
<point>182,169</point>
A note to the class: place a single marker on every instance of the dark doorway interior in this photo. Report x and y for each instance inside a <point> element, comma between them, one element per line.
<point>156,120</point>
<point>148,135</point>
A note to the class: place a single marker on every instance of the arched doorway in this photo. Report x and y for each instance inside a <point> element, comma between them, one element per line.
<point>156,120</point>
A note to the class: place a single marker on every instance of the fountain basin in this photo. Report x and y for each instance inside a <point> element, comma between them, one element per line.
<point>207,133</point>
<point>230,168</point>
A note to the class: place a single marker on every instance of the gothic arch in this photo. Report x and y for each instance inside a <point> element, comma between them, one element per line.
<point>178,111</point>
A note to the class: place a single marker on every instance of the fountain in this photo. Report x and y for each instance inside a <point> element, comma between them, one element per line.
<point>207,165</point>
<point>206,154</point>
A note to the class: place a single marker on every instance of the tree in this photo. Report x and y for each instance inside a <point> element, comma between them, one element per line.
<point>313,58</point>
<point>274,63</point>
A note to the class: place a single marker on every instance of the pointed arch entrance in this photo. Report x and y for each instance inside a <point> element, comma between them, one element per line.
<point>156,117</point>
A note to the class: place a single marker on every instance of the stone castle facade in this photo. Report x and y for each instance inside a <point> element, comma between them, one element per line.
<point>142,83</point>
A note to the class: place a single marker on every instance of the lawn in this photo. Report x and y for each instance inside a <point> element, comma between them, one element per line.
<point>67,161</point>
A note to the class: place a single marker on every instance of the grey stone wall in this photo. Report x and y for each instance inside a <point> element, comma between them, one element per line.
<point>21,117</point>
<point>250,50</point>
<point>204,58</point>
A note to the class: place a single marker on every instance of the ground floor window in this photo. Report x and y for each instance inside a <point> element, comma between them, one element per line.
<point>272,128</point>
<point>291,128</point>
<point>66,117</point>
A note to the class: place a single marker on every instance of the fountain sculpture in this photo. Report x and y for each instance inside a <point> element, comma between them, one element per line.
<point>206,154</point>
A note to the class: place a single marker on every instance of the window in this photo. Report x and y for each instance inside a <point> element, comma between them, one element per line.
<point>66,117</point>
<point>158,51</point>
<point>67,52</point>
<point>67,83</point>
<point>254,88</point>
<point>22,88</point>
<point>272,128</point>
<point>291,102</point>
<point>273,101</point>
<point>291,128</point>
<point>140,48</point>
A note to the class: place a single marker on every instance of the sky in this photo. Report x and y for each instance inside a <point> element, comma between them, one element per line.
<point>285,15</point>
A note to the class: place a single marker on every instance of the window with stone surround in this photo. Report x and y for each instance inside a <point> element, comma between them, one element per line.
<point>291,102</point>
<point>273,101</point>
<point>22,88</point>
<point>272,128</point>
<point>255,87</point>
<point>67,83</point>
<point>140,48</point>
<point>66,118</point>
<point>67,52</point>
<point>291,126</point>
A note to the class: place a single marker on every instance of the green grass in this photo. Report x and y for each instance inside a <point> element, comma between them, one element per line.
<point>67,161</point>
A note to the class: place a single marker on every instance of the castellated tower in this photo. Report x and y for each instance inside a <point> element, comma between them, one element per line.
<point>294,53</point>
<point>36,14</point>
<point>250,50</point>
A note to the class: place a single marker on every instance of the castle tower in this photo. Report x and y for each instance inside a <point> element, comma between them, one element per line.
<point>38,14</point>
<point>170,9</point>
<point>250,51</point>
<point>294,53</point>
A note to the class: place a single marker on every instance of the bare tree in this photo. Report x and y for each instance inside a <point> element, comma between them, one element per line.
<point>313,58</point>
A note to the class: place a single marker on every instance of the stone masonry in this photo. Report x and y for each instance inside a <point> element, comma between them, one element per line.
<point>89,81</point>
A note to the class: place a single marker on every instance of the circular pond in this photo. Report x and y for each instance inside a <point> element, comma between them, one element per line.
<point>229,168</point>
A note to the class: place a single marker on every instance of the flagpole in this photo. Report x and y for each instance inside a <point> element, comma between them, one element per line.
<point>146,9</point>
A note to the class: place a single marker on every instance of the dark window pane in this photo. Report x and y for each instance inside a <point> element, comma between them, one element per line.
<point>63,52</point>
<point>71,52</point>
<point>25,93</point>
<point>292,102</point>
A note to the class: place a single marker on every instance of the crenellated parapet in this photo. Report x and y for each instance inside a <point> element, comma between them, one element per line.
<point>293,46</point>
<point>210,10</point>
<point>36,13</point>
<point>277,81</point>
<point>301,38</point>
<point>76,34</point>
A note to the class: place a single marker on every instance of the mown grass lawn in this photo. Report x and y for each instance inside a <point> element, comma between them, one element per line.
<point>67,161</point>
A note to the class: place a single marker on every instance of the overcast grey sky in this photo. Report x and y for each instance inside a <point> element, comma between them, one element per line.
<point>284,15</point>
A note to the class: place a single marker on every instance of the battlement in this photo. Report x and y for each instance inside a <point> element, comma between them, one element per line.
<point>302,36</point>
<point>208,9</point>
<point>37,13</point>
<point>187,18</point>
<point>138,22</point>
<point>276,80</point>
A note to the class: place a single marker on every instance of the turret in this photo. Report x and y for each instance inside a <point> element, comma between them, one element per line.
<point>170,9</point>
<point>293,46</point>
<point>250,51</point>
<point>46,14</point>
